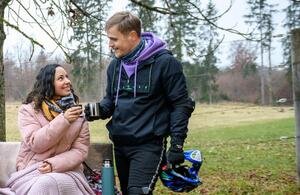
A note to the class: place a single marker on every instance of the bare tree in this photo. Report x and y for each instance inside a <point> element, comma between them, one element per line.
<point>3,5</point>
<point>239,82</point>
<point>45,9</point>
<point>243,58</point>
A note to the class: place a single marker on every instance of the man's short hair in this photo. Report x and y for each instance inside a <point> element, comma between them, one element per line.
<point>125,21</point>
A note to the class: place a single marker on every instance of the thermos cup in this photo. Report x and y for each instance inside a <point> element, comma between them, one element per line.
<point>94,109</point>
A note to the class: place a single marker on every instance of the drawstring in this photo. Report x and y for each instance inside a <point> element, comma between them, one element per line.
<point>118,87</point>
<point>135,75</point>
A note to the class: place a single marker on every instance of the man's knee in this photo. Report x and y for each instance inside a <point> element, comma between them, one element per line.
<point>139,191</point>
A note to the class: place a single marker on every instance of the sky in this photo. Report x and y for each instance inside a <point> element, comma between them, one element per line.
<point>232,19</point>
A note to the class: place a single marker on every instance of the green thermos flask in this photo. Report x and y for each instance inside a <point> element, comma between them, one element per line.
<point>108,181</point>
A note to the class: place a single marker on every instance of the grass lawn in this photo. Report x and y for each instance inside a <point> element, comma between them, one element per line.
<point>247,149</point>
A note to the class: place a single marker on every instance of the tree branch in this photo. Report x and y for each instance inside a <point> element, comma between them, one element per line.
<point>156,9</point>
<point>192,51</point>
<point>215,25</point>
<point>24,34</point>
<point>166,11</point>
<point>51,37</point>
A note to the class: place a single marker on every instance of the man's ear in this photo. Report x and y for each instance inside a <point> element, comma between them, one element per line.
<point>133,35</point>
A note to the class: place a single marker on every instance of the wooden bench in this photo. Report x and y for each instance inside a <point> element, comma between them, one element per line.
<point>9,151</point>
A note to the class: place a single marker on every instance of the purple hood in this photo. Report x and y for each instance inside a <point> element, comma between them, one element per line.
<point>152,45</point>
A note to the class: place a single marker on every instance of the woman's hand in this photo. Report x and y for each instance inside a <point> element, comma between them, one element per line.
<point>73,113</point>
<point>45,167</point>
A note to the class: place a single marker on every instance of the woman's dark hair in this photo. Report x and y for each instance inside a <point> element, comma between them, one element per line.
<point>44,86</point>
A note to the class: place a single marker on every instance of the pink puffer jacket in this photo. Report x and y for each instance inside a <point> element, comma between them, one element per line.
<point>63,144</point>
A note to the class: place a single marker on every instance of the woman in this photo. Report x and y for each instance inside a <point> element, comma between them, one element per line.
<point>55,139</point>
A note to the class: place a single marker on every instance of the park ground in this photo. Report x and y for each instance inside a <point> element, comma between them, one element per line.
<point>247,149</point>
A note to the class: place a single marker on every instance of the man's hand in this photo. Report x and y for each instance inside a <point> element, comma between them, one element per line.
<point>87,113</point>
<point>175,155</point>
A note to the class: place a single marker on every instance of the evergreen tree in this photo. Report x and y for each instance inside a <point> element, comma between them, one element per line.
<point>88,56</point>
<point>260,17</point>
<point>267,43</point>
<point>181,28</point>
<point>291,21</point>
<point>176,26</point>
<point>149,18</point>
<point>208,81</point>
<point>206,69</point>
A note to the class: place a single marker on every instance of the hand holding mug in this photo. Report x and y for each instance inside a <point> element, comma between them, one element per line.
<point>73,113</point>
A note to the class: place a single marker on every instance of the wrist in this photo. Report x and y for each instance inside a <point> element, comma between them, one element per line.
<point>177,143</point>
<point>176,148</point>
<point>66,116</point>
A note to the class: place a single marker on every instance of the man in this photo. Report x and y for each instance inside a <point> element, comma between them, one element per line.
<point>147,98</point>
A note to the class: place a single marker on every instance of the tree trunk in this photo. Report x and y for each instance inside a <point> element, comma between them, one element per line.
<point>3,4</point>
<point>262,73</point>
<point>270,89</point>
<point>296,88</point>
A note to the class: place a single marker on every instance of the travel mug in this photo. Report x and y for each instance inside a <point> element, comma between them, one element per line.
<point>107,175</point>
<point>94,109</point>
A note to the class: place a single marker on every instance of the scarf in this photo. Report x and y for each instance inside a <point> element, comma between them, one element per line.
<point>52,108</point>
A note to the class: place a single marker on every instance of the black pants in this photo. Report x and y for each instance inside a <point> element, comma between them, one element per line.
<point>138,166</point>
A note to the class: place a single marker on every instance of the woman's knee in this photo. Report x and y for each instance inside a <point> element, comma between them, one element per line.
<point>45,184</point>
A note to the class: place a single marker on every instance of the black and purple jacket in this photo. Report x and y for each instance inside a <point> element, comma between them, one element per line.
<point>151,102</point>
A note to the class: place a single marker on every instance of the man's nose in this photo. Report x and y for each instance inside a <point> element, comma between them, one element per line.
<point>110,44</point>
